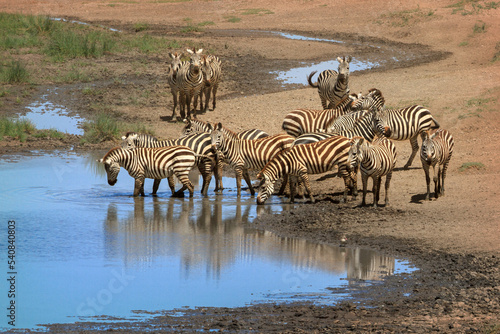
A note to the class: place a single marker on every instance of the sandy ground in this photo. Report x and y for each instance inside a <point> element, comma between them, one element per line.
<point>454,240</point>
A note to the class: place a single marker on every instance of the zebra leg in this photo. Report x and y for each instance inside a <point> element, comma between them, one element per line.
<point>387,184</point>
<point>414,150</point>
<point>214,94</point>
<point>443,175</point>
<point>364,180</point>
<point>205,169</point>
<point>218,169</point>
<point>139,186</point>
<point>207,98</point>
<point>156,185</point>
<point>182,104</point>
<point>292,181</point>
<point>377,180</point>
<point>427,181</point>
<point>174,95</point>
<point>286,180</point>
<point>171,184</point>
<point>248,181</point>
<point>437,181</point>
<point>305,180</point>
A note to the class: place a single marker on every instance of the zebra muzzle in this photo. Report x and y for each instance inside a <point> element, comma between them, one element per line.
<point>112,182</point>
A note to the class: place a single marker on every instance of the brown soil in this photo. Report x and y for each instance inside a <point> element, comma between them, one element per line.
<point>454,241</point>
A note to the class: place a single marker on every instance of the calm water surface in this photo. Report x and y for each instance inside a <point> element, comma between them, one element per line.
<point>84,248</point>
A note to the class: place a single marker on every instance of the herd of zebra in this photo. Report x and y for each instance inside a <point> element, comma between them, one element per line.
<point>353,132</point>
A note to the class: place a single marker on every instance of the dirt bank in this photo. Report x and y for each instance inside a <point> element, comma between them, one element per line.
<point>453,240</point>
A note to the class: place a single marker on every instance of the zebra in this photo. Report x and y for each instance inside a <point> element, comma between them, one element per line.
<point>194,126</point>
<point>190,83</point>
<point>153,163</point>
<point>301,121</point>
<point>198,142</point>
<point>406,123</point>
<point>173,68</point>
<point>302,160</point>
<point>437,149</point>
<point>211,68</point>
<point>332,86</point>
<point>244,154</point>
<point>375,160</point>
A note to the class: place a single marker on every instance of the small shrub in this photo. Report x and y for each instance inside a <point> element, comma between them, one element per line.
<point>138,27</point>
<point>49,133</point>
<point>17,129</point>
<point>471,165</point>
<point>14,73</point>
<point>479,28</point>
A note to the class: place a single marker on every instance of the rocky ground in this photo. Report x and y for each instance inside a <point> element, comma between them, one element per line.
<point>451,49</point>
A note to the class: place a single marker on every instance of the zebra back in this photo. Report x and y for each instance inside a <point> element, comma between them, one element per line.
<point>345,122</point>
<point>365,127</point>
<point>134,139</point>
<point>301,121</point>
<point>436,148</point>
<point>300,160</point>
<point>195,126</point>
<point>250,154</point>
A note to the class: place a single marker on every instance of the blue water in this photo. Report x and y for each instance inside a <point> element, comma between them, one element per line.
<point>84,248</point>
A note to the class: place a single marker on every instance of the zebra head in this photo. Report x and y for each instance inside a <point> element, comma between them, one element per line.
<point>373,101</point>
<point>267,187</point>
<point>355,153</point>
<point>217,137</point>
<point>428,151</point>
<point>195,61</point>
<point>111,166</point>
<point>205,69</point>
<point>129,140</point>
<point>380,124</point>
<point>344,66</point>
<point>176,62</point>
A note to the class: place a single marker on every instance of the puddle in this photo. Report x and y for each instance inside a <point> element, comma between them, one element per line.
<point>86,249</point>
<point>47,115</point>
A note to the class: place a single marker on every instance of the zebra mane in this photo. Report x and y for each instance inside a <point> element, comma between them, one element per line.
<point>109,153</point>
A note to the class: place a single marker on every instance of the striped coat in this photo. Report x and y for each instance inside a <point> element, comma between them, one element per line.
<point>190,83</point>
<point>436,151</point>
<point>406,124</point>
<point>198,142</point>
<point>325,84</point>
<point>302,160</point>
<point>152,163</point>
<point>211,68</point>
<point>301,121</point>
<point>243,154</point>
<point>173,68</point>
<point>375,160</point>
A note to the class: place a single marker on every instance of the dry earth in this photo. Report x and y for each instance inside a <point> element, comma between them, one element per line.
<point>455,240</point>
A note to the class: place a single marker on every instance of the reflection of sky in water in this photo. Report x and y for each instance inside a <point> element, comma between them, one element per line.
<point>85,248</point>
<point>46,115</point>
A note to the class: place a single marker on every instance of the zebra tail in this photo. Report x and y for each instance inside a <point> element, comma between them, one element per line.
<point>436,124</point>
<point>309,78</point>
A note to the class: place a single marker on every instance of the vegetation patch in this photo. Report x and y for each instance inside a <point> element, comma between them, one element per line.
<point>16,128</point>
<point>405,18</point>
<point>257,11</point>
<point>14,72</point>
<point>466,166</point>
<point>471,7</point>
<point>106,127</point>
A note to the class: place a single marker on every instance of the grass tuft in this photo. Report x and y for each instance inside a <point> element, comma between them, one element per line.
<point>471,165</point>
<point>16,128</point>
<point>15,72</point>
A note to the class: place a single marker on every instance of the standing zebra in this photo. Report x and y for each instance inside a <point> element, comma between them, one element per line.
<point>153,163</point>
<point>301,121</point>
<point>375,160</point>
<point>406,123</point>
<point>212,74</point>
<point>173,68</point>
<point>198,142</point>
<point>332,86</point>
<point>195,126</point>
<point>244,154</point>
<point>190,83</point>
<point>302,160</point>
<point>437,149</point>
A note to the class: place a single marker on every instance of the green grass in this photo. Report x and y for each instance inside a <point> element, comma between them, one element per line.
<point>471,7</point>
<point>15,72</point>
<point>68,44</point>
<point>49,133</point>
<point>471,165</point>
<point>479,28</point>
<point>256,11</point>
<point>138,27</point>
<point>232,19</point>
<point>16,128</point>
<point>406,17</point>
<point>106,127</point>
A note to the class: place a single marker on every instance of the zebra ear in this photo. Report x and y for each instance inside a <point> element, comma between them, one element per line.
<point>339,59</point>
<point>186,121</point>
<point>425,135</point>
<point>189,51</point>
<point>349,58</point>
<point>218,126</point>
<point>100,161</point>
<point>123,137</point>
<point>211,127</point>
<point>199,51</point>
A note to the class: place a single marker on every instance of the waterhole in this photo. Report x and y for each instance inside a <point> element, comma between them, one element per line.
<point>88,251</point>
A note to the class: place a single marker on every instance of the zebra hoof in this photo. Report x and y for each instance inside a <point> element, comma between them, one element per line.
<point>178,194</point>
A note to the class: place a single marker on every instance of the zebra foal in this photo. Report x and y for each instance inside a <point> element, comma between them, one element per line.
<point>244,154</point>
<point>302,160</point>
<point>436,151</point>
<point>172,69</point>
<point>152,163</point>
<point>190,83</point>
<point>375,160</point>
